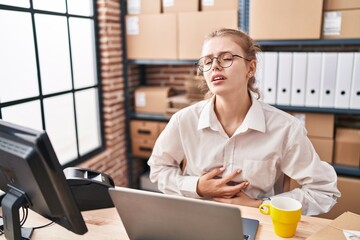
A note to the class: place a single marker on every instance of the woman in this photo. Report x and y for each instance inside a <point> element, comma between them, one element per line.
<point>237,149</point>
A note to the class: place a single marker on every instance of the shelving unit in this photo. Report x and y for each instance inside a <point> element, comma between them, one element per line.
<point>271,45</point>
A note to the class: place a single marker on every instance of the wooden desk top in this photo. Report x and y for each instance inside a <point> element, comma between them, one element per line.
<point>106,224</point>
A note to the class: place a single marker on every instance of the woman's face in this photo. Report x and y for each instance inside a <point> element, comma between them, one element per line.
<point>230,80</point>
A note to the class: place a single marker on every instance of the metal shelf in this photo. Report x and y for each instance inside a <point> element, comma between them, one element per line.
<point>160,117</point>
<point>161,62</point>
<point>318,109</point>
<point>319,42</point>
<point>348,171</point>
<point>148,116</point>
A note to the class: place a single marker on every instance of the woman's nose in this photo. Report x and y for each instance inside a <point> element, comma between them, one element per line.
<point>215,64</point>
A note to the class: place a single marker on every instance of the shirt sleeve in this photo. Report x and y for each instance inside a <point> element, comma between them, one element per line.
<point>318,179</point>
<point>165,162</point>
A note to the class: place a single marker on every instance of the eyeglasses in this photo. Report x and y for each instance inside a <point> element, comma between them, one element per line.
<point>225,60</point>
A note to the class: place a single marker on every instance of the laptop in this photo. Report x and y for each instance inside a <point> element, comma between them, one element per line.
<point>155,216</point>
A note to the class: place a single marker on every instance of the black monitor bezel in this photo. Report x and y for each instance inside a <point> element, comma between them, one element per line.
<point>38,178</point>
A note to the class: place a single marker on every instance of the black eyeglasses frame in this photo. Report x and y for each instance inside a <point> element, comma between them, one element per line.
<point>212,61</point>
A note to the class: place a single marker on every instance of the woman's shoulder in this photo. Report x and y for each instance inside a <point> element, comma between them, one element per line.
<point>275,114</point>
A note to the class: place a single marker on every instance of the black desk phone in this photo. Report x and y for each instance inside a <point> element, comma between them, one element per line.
<point>89,187</point>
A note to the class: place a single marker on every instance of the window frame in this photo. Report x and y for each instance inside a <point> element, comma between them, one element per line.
<point>41,97</point>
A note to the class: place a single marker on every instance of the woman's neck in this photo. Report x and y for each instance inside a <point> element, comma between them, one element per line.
<point>231,111</point>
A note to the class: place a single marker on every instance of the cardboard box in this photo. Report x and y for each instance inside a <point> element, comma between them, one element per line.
<point>194,26</point>
<point>349,201</point>
<point>334,231</point>
<point>142,147</point>
<point>144,135</point>
<point>144,129</point>
<point>143,7</point>
<point>176,6</point>
<point>150,99</point>
<point>151,36</point>
<point>161,126</point>
<point>218,5</point>
<point>284,19</point>
<point>177,103</point>
<point>347,147</point>
<point>317,124</point>
<point>341,24</point>
<point>341,4</point>
<point>324,148</point>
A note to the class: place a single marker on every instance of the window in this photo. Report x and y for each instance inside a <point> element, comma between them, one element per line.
<point>49,73</point>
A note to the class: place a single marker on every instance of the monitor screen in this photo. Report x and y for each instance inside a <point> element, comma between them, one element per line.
<point>32,177</point>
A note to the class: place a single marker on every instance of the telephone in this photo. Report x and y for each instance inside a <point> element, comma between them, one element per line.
<point>89,187</point>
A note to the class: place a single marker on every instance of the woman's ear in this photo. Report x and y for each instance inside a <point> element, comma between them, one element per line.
<point>252,68</point>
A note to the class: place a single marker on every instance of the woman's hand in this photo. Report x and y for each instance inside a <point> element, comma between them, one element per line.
<point>211,186</point>
<point>240,199</point>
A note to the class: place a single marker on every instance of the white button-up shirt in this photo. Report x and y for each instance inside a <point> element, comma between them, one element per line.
<point>268,145</point>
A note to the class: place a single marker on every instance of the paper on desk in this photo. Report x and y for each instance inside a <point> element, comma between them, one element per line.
<point>351,235</point>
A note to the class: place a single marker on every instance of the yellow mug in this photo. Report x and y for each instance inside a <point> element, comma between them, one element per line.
<point>285,213</point>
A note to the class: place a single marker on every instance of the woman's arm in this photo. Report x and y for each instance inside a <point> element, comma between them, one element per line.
<point>318,179</point>
<point>165,161</point>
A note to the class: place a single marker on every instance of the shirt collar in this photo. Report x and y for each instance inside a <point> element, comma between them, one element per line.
<point>207,115</point>
<point>254,119</point>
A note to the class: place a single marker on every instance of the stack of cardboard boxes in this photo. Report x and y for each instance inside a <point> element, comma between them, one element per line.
<point>174,29</point>
<point>285,20</point>
<point>347,147</point>
<point>143,136</point>
<point>304,19</point>
<point>320,128</point>
<point>341,18</point>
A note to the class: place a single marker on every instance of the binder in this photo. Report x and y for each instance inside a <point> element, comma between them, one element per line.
<point>298,79</point>
<point>328,79</point>
<point>270,76</point>
<point>313,78</point>
<point>259,75</point>
<point>343,79</point>
<point>284,78</point>
<point>355,83</point>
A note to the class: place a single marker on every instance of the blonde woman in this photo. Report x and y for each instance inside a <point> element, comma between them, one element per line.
<point>238,149</point>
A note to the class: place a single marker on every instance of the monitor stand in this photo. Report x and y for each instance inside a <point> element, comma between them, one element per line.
<point>11,203</point>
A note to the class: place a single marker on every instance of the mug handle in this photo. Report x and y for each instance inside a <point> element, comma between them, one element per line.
<point>265,208</point>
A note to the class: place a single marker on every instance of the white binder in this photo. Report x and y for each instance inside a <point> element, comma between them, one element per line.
<point>313,78</point>
<point>343,79</point>
<point>259,75</point>
<point>355,83</point>
<point>328,79</point>
<point>270,76</point>
<point>284,78</point>
<point>298,79</point>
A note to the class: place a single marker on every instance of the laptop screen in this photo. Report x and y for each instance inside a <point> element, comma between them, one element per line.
<point>150,215</point>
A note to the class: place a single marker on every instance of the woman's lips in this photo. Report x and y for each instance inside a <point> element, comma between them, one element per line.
<point>217,77</point>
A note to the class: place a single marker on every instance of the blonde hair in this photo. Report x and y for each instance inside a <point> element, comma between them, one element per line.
<point>249,47</point>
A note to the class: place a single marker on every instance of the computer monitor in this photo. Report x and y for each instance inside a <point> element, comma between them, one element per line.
<point>31,176</point>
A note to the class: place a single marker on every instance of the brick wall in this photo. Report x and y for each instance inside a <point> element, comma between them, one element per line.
<point>113,159</point>
<point>169,75</point>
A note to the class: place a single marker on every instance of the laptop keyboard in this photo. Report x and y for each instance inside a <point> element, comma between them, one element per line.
<point>246,237</point>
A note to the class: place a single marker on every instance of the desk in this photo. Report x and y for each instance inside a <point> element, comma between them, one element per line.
<point>106,224</point>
